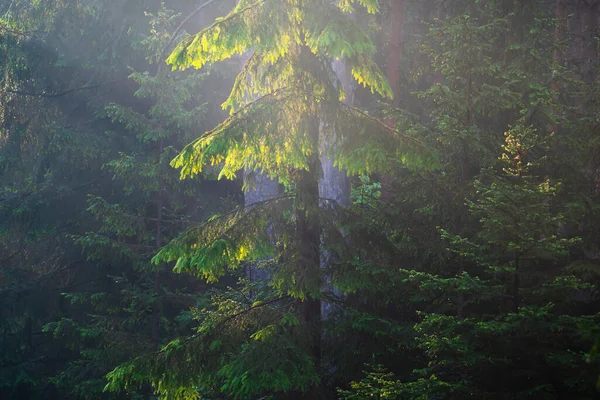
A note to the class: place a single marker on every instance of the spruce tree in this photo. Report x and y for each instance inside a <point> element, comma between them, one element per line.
<point>267,339</point>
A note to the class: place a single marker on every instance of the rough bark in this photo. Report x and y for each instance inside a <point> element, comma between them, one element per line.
<point>263,189</point>
<point>335,184</point>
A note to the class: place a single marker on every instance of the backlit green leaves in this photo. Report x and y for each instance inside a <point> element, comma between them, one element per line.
<point>372,6</point>
<point>275,29</point>
<point>226,37</point>
<point>222,243</point>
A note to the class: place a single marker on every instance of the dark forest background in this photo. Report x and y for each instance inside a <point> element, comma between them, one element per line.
<point>465,267</point>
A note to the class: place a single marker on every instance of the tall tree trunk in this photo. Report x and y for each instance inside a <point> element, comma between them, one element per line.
<point>263,189</point>
<point>559,39</point>
<point>334,184</point>
<point>392,68</point>
<point>308,231</point>
<point>589,49</point>
<point>395,47</point>
<point>159,221</point>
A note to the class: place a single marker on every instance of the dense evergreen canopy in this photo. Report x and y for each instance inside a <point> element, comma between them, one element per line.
<point>142,255</point>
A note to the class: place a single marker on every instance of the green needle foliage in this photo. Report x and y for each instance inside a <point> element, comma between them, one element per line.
<point>467,265</point>
<point>287,82</point>
<point>492,305</point>
<point>47,154</point>
<point>137,307</point>
<point>285,104</point>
